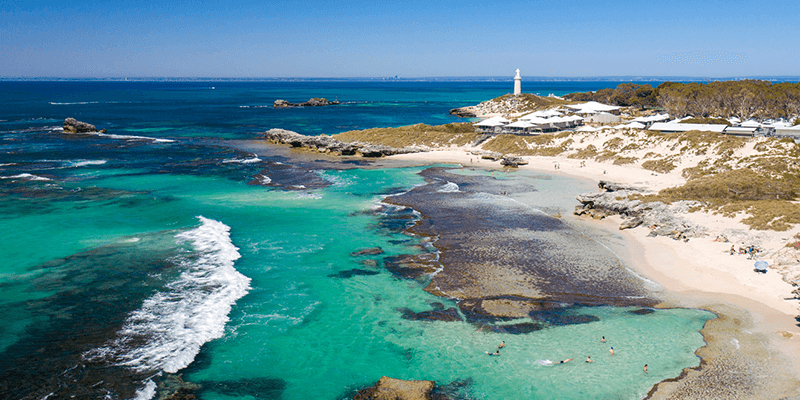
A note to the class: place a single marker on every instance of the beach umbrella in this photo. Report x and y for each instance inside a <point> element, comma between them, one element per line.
<point>761,266</point>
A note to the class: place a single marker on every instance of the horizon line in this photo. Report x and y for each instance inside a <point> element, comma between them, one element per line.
<point>422,78</point>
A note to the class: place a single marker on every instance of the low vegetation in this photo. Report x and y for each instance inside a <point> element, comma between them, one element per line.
<point>743,99</point>
<point>717,121</point>
<point>457,134</point>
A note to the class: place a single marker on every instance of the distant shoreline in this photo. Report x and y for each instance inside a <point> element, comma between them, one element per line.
<point>621,78</point>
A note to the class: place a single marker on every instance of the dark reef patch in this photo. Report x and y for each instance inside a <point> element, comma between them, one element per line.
<point>353,272</point>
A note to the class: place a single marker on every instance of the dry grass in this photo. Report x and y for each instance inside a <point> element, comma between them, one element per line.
<point>588,152</point>
<point>458,134</point>
<point>525,145</point>
<point>769,201</point>
<point>662,165</point>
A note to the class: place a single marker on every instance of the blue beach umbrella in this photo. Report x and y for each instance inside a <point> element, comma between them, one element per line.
<point>761,266</point>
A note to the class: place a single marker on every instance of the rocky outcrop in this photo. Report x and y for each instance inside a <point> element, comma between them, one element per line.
<point>71,125</point>
<point>465,112</point>
<point>662,219</point>
<point>396,389</point>
<point>313,102</point>
<point>327,144</point>
<point>513,161</point>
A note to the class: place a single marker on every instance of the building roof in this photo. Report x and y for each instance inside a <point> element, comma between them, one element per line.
<point>675,127</point>
<point>594,106</point>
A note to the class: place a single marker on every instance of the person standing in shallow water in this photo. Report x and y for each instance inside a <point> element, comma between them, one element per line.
<point>603,339</point>
<point>502,344</point>
<point>611,350</point>
<point>589,359</point>
<point>645,369</point>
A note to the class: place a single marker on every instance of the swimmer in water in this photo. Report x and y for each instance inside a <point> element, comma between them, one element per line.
<point>589,359</point>
<point>565,361</point>
<point>611,350</point>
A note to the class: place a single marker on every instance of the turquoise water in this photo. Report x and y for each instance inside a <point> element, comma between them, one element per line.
<point>125,260</point>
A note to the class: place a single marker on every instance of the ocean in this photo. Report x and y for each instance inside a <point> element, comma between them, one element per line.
<point>178,251</point>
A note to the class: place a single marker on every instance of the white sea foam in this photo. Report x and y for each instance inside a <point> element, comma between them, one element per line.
<point>243,160</point>
<point>166,333</point>
<point>124,137</point>
<point>449,187</point>
<point>27,177</point>
<point>147,392</point>
<point>73,103</point>
<point>7,164</point>
<point>132,137</point>
<point>265,180</point>
<point>84,163</point>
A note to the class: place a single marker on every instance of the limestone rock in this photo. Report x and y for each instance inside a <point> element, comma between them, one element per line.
<point>327,144</point>
<point>512,161</point>
<point>465,112</point>
<point>396,389</point>
<point>663,219</point>
<point>71,125</point>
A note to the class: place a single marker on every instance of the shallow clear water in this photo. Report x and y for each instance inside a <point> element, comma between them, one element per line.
<point>122,256</point>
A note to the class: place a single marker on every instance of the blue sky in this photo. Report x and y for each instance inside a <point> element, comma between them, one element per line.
<point>577,38</point>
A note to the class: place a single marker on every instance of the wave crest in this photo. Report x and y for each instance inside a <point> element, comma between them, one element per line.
<point>166,333</point>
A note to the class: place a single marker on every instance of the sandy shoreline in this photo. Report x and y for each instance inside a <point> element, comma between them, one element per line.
<point>756,336</point>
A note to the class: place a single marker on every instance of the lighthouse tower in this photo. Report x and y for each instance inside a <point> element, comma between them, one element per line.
<point>517,83</point>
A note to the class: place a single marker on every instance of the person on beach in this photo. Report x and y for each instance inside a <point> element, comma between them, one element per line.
<point>611,350</point>
<point>603,339</point>
<point>645,369</point>
<point>565,361</point>
<point>589,359</point>
<point>733,250</point>
<point>502,344</point>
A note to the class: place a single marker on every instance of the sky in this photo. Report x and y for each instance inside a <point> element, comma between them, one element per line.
<point>432,38</point>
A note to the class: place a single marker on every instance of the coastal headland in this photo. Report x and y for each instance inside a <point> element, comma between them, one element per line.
<point>695,209</point>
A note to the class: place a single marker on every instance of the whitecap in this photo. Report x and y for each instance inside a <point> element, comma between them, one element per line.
<point>166,333</point>
<point>27,177</point>
<point>147,392</point>
<point>7,164</point>
<point>84,163</point>
<point>243,160</point>
<point>449,187</point>
<point>73,103</point>
<point>264,180</point>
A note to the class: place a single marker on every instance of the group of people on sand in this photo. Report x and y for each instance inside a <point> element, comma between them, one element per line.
<point>750,251</point>
<point>588,358</point>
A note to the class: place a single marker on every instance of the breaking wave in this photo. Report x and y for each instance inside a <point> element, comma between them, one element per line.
<point>243,160</point>
<point>27,177</point>
<point>166,333</point>
<point>449,187</point>
<point>77,164</point>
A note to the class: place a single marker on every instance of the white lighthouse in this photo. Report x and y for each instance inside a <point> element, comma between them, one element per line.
<point>517,83</point>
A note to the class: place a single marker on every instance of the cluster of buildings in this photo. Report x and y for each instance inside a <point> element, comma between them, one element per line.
<point>573,116</point>
<point>776,128</point>
<point>567,117</point>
